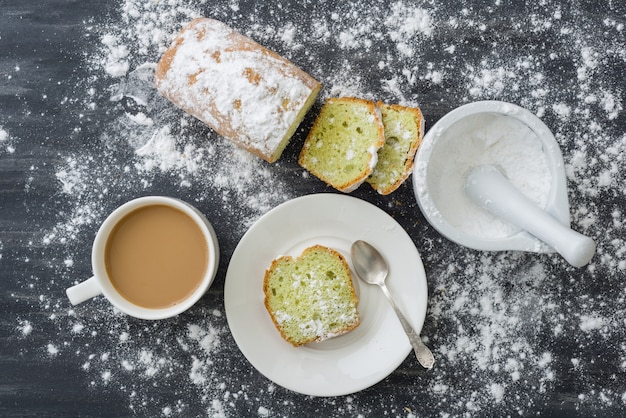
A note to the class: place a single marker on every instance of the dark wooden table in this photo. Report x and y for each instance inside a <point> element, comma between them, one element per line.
<point>81,133</point>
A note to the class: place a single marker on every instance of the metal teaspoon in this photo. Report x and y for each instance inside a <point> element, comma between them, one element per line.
<point>371,267</point>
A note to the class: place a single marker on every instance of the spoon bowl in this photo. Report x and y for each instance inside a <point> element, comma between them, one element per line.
<point>371,267</point>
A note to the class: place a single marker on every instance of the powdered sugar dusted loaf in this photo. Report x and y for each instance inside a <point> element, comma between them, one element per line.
<point>242,90</point>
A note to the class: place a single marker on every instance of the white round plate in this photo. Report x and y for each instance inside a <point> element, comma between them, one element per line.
<point>353,361</point>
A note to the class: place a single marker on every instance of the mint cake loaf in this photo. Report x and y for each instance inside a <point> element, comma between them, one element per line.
<point>311,298</point>
<point>342,146</point>
<point>242,90</point>
<point>404,129</point>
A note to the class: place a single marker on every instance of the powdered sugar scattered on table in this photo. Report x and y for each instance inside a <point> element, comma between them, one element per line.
<point>6,144</point>
<point>496,322</point>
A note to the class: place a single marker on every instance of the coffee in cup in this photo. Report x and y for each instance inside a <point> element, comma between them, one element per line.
<point>153,258</point>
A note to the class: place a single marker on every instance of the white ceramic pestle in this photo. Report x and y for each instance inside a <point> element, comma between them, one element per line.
<point>487,187</point>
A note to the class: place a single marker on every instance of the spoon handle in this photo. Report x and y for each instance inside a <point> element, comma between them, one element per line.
<point>423,353</point>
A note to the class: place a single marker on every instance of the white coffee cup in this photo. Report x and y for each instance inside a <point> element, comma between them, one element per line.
<point>100,283</point>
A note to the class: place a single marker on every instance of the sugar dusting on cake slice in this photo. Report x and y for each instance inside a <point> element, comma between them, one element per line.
<point>342,146</point>
<point>404,128</point>
<point>311,298</point>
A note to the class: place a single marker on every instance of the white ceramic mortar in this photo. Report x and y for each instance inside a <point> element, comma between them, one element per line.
<point>557,204</point>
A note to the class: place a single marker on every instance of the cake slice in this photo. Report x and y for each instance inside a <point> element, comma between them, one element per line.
<point>404,128</point>
<point>311,298</point>
<point>242,90</point>
<point>342,146</point>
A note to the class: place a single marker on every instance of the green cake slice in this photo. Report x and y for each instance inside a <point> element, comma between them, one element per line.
<point>404,128</point>
<point>311,298</point>
<point>342,146</point>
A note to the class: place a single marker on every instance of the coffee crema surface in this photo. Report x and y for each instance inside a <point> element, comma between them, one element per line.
<point>156,256</point>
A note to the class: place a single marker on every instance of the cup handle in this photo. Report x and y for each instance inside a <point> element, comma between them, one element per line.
<point>83,291</point>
